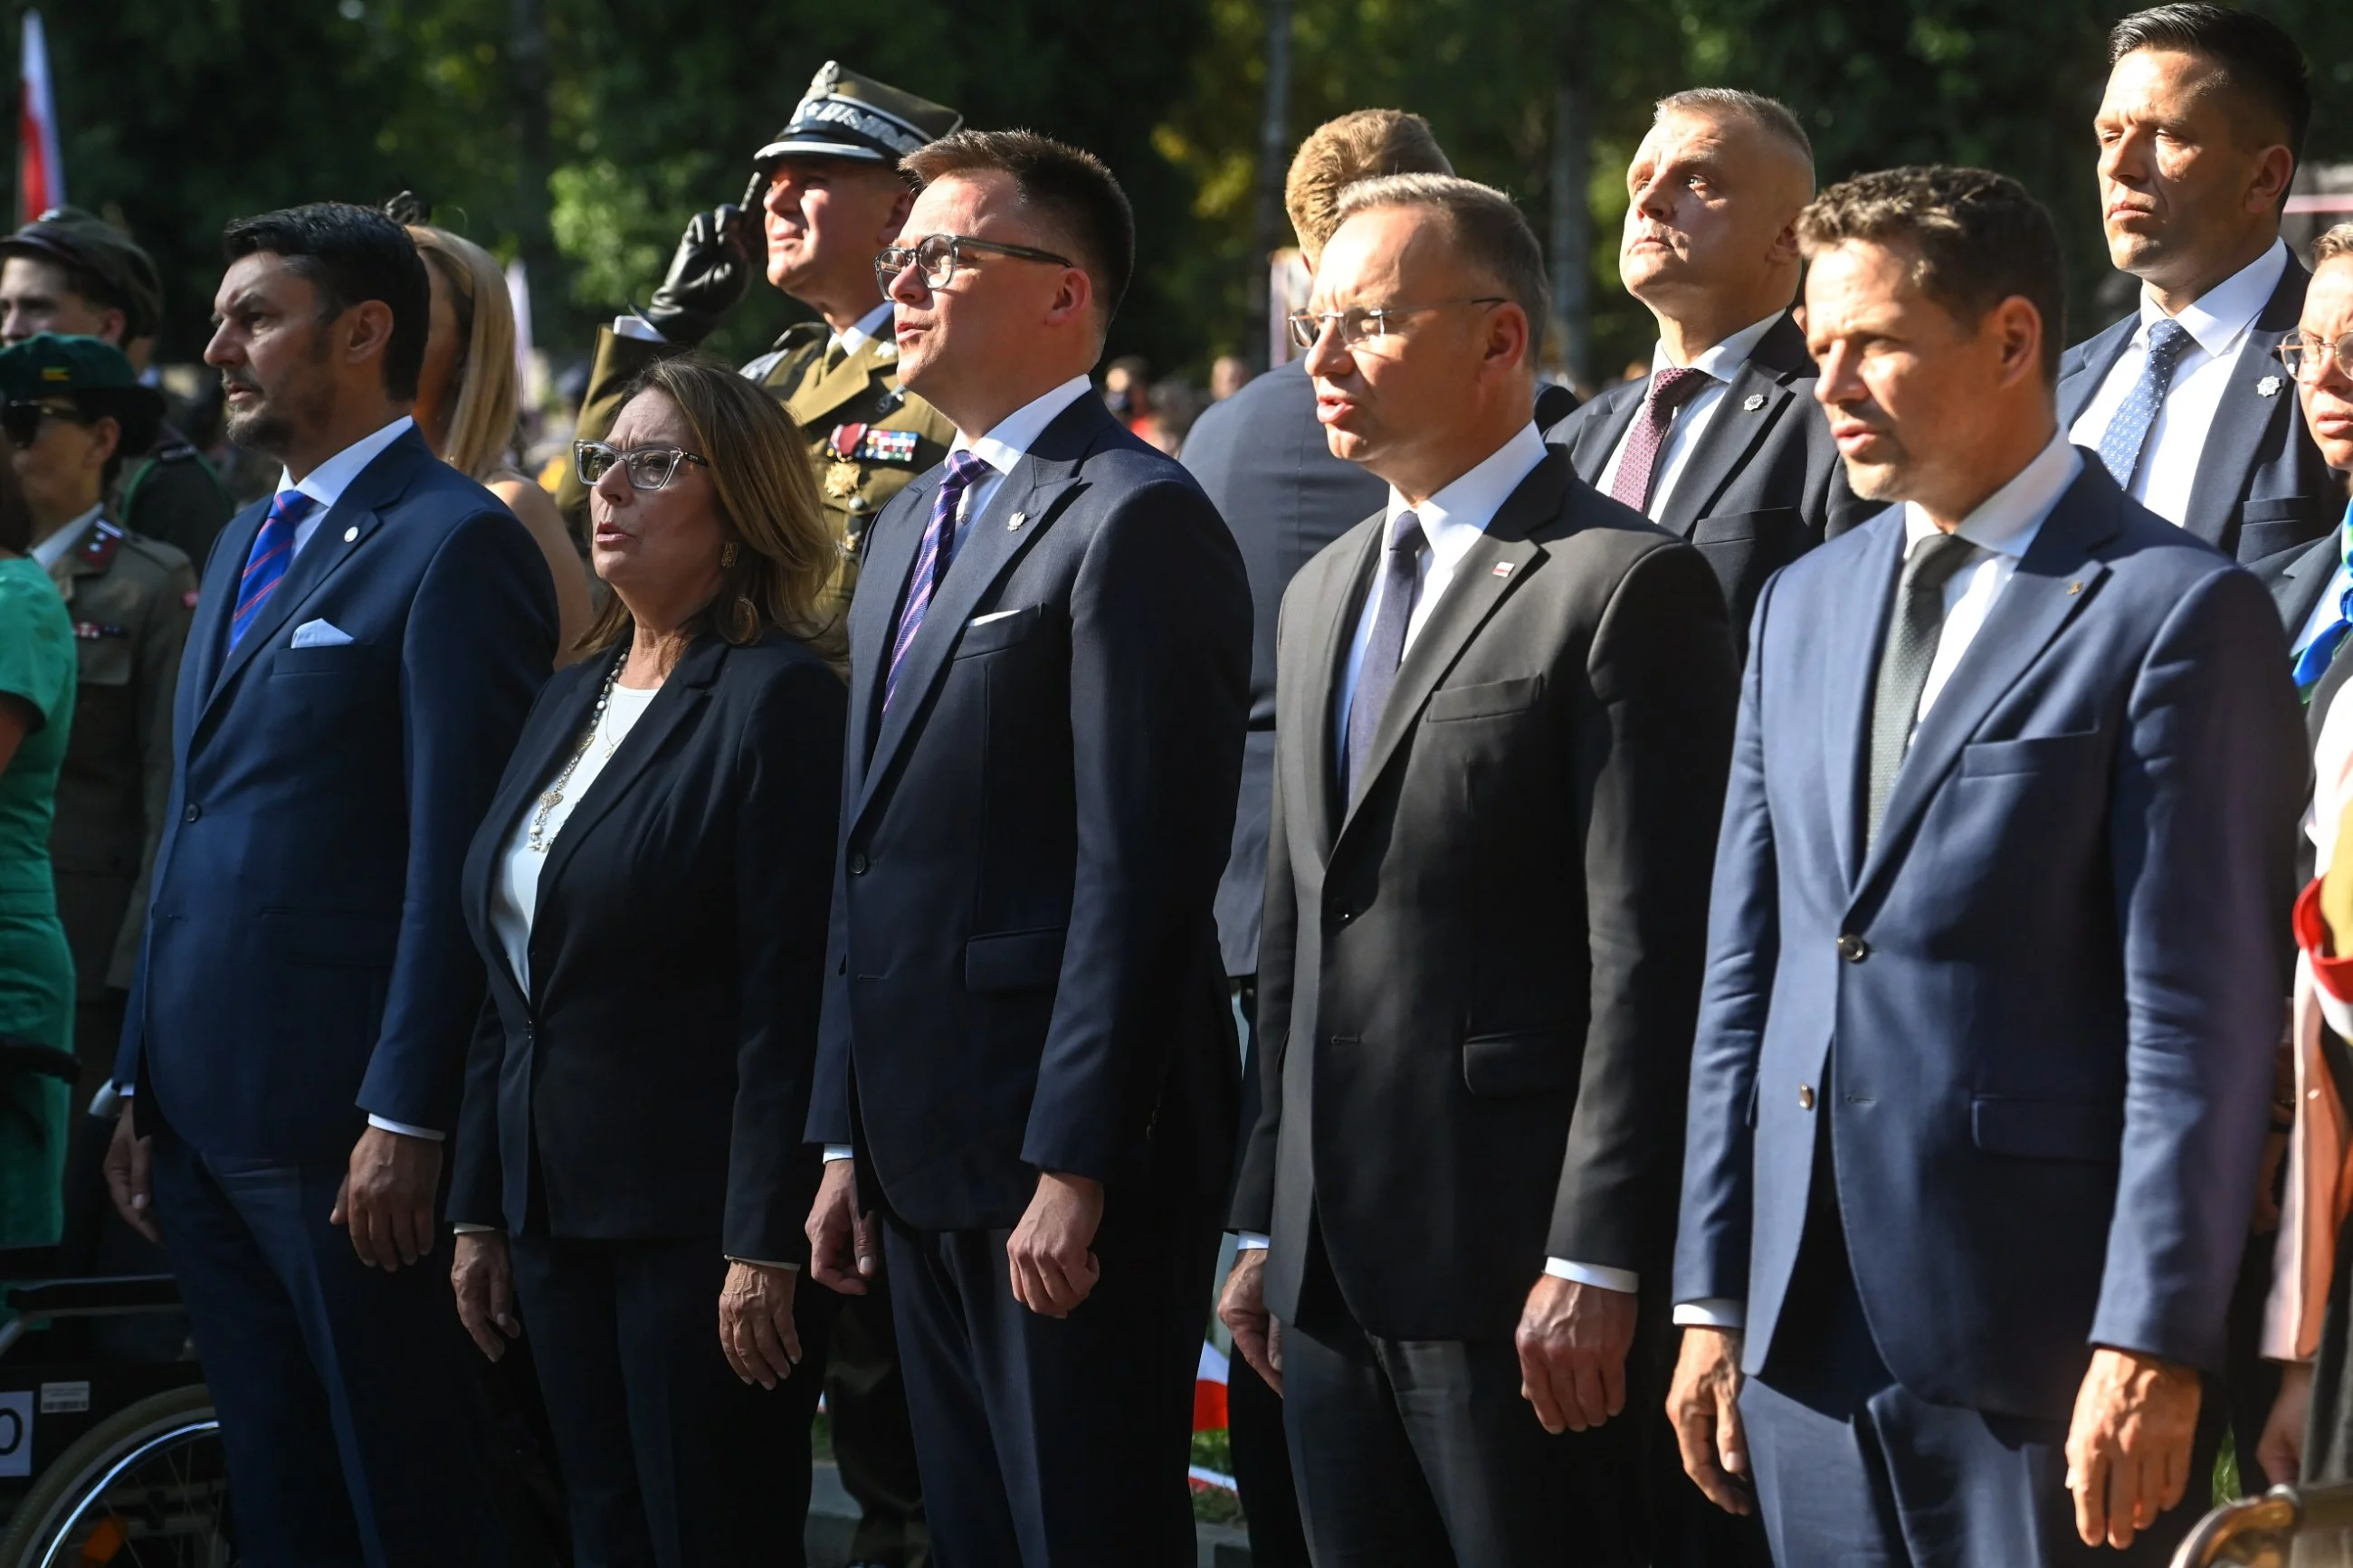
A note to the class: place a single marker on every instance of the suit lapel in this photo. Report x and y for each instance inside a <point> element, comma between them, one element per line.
<point>2236,436</point>
<point>2099,356</point>
<point>1850,671</point>
<point>1597,437</point>
<point>889,556</point>
<point>1338,609</point>
<point>1724,444</point>
<point>2055,581</point>
<point>216,607</point>
<point>829,390</point>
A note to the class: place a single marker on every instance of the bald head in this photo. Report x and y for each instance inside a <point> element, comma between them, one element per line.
<point>1713,194</point>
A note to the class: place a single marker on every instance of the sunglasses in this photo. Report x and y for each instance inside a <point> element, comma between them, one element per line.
<point>21,421</point>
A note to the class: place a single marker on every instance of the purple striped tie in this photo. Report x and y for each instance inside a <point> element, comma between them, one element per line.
<point>273,552</point>
<point>964,470</point>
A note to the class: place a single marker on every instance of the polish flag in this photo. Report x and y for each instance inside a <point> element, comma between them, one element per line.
<point>40,173</point>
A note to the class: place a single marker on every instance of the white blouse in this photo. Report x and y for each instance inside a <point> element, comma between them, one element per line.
<point>515,901</point>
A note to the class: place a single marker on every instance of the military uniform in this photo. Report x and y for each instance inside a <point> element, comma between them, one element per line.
<point>170,495</point>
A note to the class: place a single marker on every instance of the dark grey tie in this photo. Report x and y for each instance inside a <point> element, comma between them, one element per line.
<point>1903,663</point>
<point>1400,575</point>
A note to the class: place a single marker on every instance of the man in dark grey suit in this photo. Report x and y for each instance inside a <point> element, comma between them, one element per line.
<point>1721,444</point>
<point>1504,711</point>
<point>1027,1060</point>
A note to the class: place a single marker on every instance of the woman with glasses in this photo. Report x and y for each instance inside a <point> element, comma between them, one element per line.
<point>651,892</point>
<point>466,405</point>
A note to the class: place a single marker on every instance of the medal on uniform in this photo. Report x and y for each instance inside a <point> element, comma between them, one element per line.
<point>844,440</point>
<point>841,480</point>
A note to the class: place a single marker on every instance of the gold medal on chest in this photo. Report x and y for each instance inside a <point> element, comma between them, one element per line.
<point>841,480</point>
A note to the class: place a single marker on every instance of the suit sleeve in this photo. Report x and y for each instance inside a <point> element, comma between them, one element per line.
<point>477,1173</point>
<point>481,641</point>
<point>786,823</point>
<point>2202,815</point>
<point>1651,741</point>
<point>1278,949</point>
<point>161,641</point>
<point>1160,642</point>
<point>1744,947</point>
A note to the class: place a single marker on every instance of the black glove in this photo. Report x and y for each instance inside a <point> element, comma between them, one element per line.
<point>708,275</point>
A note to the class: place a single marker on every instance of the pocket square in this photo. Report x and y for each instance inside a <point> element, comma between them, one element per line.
<point>992,616</point>
<point>320,634</point>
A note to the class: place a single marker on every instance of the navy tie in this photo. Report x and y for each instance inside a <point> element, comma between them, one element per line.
<point>2129,427</point>
<point>1400,576</point>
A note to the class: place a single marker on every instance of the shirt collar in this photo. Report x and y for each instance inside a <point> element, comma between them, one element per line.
<point>1010,438</point>
<point>2219,316</point>
<point>2008,521</point>
<point>326,483</point>
<point>58,545</point>
<point>858,333</point>
<point>1726,357</point>
<point>1453,519</point>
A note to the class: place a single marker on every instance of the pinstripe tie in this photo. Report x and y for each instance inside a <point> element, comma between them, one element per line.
<point>273,552</point>
<point>931,560</point>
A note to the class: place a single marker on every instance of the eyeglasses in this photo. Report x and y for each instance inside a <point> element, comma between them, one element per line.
<point>939,255</point>
<point>1361,326</point>
<point>648,467</point>
<point>2304,355</point>
<point>21,421</point>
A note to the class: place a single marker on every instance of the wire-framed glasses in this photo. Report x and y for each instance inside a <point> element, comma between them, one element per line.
<point>2304,354</point>
<point>1364,325</point>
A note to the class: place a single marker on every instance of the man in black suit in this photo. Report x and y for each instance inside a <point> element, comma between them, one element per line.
<point>1504,706</point>
<point>2185,400</point>
<point>1261,456</point>
<point>1721,444</point>
<point>1027,1056</point>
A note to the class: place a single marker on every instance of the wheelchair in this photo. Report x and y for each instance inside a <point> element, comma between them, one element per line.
<point>2306,1526</point>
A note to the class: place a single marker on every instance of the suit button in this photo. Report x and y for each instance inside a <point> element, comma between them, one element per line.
<point>1805,1097</point>
<point>1852,948</point>
<point>857,865</point>
<point>194,812</point>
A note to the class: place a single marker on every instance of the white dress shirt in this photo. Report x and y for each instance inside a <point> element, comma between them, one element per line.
<point>2003,527</point>
<point>2218,324</point>
<point>56,547</point>
<point>1721,362</point>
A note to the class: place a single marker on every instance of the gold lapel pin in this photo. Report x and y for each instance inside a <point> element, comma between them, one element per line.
<point>2076,587</point>
<point>1013,524</point>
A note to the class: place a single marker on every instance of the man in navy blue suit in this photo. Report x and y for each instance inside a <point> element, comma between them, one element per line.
<point>1984,1052</point>
<point>367,644</point>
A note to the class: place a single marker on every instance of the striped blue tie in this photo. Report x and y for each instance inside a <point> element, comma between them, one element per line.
<point>931,561</point>
<point>2129,427</point>
<point>273,552</point>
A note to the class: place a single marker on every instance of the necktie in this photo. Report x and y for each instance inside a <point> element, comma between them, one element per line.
<point>1400,575</point>
<point>2129,427</point>
<point>1646,442</point>
<point>1904,664</point>
<point>273,550</point>
<point>931,560</point>
<point>2321,651</point>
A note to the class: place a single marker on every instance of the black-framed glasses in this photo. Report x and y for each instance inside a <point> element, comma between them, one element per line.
<point>2304,354</point>
<point>20,421</point>
<point>648,467</point>
<point>1364,325</point>
<point>939,255</point>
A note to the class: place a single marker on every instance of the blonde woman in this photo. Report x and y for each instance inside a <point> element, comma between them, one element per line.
<point>466,406</point>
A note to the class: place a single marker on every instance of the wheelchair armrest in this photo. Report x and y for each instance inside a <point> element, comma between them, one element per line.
<point>92,1297</point>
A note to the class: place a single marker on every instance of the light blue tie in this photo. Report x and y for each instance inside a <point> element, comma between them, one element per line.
<point>2129,427</point>
<point>2321,651</point>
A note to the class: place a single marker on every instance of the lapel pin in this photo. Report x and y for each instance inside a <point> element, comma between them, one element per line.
<point>2268,387</point>
<point>1754,401</point>
<point>351,535</point>
<point>2076,587</point>
<point>1013,524</point>
<point>1503,568</point>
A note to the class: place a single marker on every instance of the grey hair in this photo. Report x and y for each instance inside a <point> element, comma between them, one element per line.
<point>2336,240</point>
<point>1771,115</point>
<point>1489,231</point>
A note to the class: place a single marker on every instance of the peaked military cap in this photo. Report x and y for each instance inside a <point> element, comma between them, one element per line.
<point>89,373</point>
<point>845,115</point>
<point>86,242</point>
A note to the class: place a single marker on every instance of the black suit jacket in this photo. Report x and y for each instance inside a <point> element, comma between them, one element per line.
<point>2262,486</point>
<point>1024,972</point>
<point>654,1078</point>
<point>1477,984</point>
<point>1762,484</point>
<point>1263,459</point>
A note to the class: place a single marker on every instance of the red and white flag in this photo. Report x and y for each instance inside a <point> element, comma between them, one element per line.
<point>40,173</point>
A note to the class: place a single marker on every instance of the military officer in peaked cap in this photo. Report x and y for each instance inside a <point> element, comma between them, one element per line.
<point>826,193</point>
<point>70,271</point>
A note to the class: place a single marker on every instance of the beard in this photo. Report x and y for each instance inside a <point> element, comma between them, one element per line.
<point>272,424</point>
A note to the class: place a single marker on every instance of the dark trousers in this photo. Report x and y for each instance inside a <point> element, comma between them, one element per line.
<point>873,1444</point>
<point>1262,1470</point>
<point>669,1457</point>
<point>1421,1453</point>
<point>343,1408</point>
<point>1057,1444</point>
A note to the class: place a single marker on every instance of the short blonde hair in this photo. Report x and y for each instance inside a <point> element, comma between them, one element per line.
<point>768,506</point>
<point>2336,240</point>
<point>482,417</point>
<point>1339,153</point>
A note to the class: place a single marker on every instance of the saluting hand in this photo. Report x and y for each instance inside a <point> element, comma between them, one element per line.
<point>386,1198</point>
<point>1051,1251</point>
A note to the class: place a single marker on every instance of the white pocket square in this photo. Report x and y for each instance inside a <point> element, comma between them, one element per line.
<point>992,616</point>
<point>320,634</point>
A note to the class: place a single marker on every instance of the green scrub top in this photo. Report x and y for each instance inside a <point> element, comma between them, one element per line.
<point>37,667</point>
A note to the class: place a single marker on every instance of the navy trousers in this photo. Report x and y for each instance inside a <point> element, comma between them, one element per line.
<point>344,1407</point>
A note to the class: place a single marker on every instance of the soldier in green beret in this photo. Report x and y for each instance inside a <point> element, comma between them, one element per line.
<point>70,271</point>
<point>72,409</point>
<point>827,195</point>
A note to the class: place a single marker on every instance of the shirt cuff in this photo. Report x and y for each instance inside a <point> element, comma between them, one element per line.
<point>459,1227</point>
<point>629,324</point>
<point>1248,1241</point>
<point>1625,1282</point>
<point>838,1152</point>
<point>1716,1312</point>
<point>405,1130</point>
<point>763,1263</point>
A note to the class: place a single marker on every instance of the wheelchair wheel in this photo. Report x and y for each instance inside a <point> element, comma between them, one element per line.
<point>146,1488</point>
